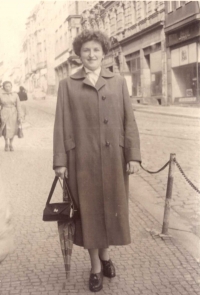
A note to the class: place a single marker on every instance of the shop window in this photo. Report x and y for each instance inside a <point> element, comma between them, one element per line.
<point>136,81</point>
<point>186,81</point>
<point>156,84</point>
<point>136,84</point>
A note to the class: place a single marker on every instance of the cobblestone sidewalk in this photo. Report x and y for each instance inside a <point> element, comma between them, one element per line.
<point>148,266</point>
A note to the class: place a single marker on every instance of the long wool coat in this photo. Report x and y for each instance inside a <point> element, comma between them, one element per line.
<point>95,135</point>
<point>10,113</point>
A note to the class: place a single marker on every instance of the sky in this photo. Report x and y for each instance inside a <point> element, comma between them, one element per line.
<point>13,15</point>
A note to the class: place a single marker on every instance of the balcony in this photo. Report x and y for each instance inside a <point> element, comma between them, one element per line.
<point>181,16</point>
<point>41,65</point>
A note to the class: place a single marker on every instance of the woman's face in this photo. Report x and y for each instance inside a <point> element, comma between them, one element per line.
<point>7,87</point>
<point>91,55</point>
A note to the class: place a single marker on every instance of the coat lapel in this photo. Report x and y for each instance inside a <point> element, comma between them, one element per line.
<point>100,83</point>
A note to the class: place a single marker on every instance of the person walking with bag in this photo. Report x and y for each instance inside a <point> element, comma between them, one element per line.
<point>97,147</point>
<point>23,97</point>
<point>10,115</point>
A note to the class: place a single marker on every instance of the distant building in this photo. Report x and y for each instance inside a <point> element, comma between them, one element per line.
<point>38,49</point>
<point>182,30</point>
<point>136,30</point>
<point>155,46</point>
<point>67,20</point>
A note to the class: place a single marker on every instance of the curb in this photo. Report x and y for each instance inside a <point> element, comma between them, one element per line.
<point>165,114</point>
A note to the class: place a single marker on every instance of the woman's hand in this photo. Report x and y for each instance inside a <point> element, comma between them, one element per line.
<point>132,167</point>
<point>61,172</point>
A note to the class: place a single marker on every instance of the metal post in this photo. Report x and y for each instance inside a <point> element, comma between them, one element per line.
<point>168,194</point>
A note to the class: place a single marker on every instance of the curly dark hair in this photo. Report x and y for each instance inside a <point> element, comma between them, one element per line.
<point>6,82</point>
<point>88,35</point>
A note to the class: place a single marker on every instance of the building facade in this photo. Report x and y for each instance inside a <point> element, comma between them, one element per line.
<point>68,26</point>
<point>155,46</point>
<point>38,49</point>
<point>182,30</point>
<point>136,31</point>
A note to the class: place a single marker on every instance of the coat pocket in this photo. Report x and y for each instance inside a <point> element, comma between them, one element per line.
<point>121,141</point>
<point>69,144</point>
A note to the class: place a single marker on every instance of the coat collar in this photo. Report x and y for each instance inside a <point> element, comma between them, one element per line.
<point>81,74</point>
<point>5,92</point>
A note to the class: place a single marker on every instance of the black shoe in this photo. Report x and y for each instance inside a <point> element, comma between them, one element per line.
<point>96,282</point>
<point>108,268</point>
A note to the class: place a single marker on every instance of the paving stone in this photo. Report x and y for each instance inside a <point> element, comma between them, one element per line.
<point>149,266</point>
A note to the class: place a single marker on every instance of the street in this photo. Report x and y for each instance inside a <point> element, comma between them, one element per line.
<point>160,136</point>
<point>150,265</point>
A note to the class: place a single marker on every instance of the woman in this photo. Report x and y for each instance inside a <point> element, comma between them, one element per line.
<point>10,115</point>
<point>96,145</point>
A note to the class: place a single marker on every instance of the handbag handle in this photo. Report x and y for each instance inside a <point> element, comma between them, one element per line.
<point>68,192</point>
<point>52,190</point>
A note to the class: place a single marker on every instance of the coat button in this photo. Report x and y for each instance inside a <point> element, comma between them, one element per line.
<point>105,121</point>
<point>107,143</point>
<point>103,97</point>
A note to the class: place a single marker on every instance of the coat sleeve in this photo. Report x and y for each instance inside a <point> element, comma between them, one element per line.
<point>63,127</point>
<point>131,140</point>
<point>59,154</point>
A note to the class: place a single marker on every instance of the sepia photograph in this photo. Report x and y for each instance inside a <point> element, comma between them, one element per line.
<point>99,147</point>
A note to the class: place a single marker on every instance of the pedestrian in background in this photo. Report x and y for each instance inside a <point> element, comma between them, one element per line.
<point>23,97</point>
<point>22,94</point>
<point>96,145</point>
<point>10,115</point>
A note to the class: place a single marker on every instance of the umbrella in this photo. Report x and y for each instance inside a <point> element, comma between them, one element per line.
<point>66,232</point>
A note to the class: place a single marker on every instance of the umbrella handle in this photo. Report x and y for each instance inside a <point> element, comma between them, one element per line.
<point>73,202</point>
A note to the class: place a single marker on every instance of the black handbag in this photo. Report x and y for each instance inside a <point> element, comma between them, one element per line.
<point>20,132</point>
<point>66,211</point>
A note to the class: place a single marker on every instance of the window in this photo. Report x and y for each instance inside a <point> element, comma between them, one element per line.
<point>113,23</point>
<point>134,12</point>
<point>56,42</point>
<point>128,14</point>
<point>120,18</point>
<point>66,35</point>
<point>169,8</point>
<point>133,63</point>
<point>172,5</point>
<point>61,40</point>
<point>107,25</point>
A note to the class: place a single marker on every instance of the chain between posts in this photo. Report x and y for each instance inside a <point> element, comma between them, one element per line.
<point>180,169</point>
<point>154,172</point>
<point>172,163</point>
<point>186,178</point>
